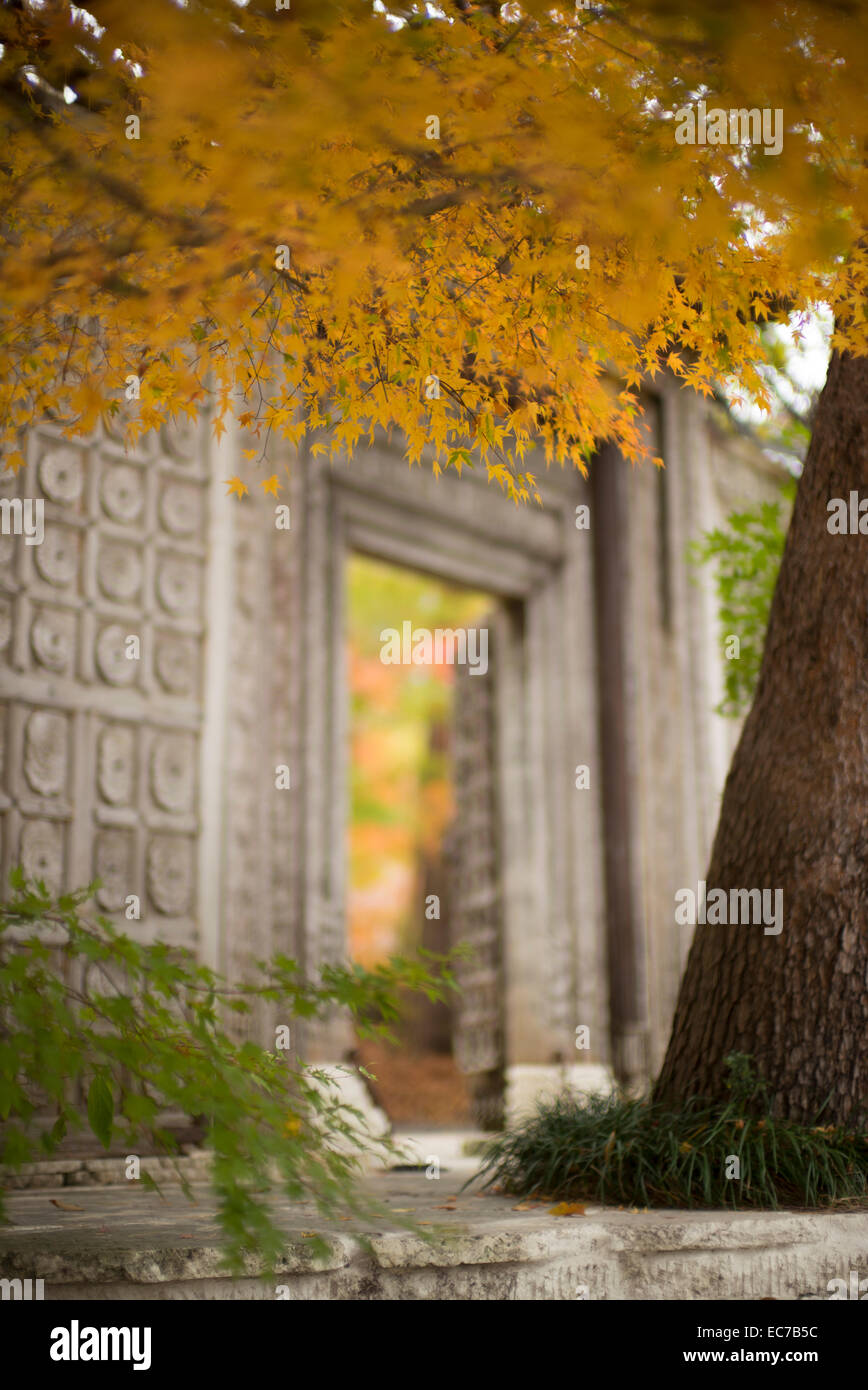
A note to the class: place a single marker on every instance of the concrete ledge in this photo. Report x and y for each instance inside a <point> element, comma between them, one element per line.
<point>107,1243</point>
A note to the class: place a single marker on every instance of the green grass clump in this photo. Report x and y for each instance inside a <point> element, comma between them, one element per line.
<point>620,1150</point>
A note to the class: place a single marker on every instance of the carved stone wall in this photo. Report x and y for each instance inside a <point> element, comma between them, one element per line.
<point>475,891</point>
<point>248,772</point>
<point>157,773</point>
<point>100,734</point>
<point>287,729</point>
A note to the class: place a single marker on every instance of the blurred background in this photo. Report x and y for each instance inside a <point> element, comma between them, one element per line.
<point>402,806</point>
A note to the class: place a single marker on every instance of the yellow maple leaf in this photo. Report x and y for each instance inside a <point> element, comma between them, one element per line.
<point>235,485</point>
<point>271,485</point>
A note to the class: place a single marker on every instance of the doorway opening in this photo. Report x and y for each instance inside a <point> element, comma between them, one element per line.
<point>422,847</point>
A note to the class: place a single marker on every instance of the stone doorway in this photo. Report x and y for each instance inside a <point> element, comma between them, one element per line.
<point>424,866</point>
<point>538,567</point>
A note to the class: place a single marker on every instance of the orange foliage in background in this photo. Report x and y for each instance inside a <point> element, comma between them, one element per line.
<point>401,797</point>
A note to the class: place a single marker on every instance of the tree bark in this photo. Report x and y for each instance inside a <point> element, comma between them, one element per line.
<point>794,816</point>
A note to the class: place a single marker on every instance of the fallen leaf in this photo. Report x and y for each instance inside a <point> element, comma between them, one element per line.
<point>567,1209</point>
<point>64,1206</point>
<point>445,1208</point>
<point>310,1235</point>
<point>526,1206</point>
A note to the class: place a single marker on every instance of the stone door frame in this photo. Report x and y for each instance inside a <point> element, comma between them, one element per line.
<point>540,566</point>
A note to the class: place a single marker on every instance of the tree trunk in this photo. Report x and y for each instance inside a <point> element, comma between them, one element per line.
<point>794,816</point>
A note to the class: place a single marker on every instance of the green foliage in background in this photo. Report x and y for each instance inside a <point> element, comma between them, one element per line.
<point>632,1152</point>
<point>746,553</point>
<point>111,1032</point>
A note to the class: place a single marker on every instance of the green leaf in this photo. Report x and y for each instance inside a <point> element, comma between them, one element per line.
<point>139,1109</point>
<point>163,1034</point>
<point>100,1110</point>
<point>58,1131</point>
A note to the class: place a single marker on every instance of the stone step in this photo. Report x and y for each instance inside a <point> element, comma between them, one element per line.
<point>113,1243</point>
<point>192,1163</point>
